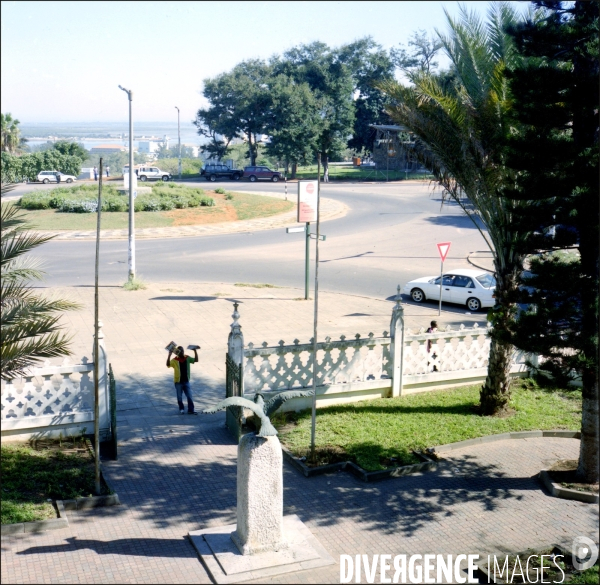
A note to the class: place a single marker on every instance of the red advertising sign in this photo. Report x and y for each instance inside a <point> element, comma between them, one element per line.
<point>443,248</point>
<point>307,201</point>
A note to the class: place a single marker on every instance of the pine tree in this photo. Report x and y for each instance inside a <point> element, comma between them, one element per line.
<point>555,151</point>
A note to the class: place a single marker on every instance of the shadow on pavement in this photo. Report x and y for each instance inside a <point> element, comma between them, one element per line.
<point>144,547</point>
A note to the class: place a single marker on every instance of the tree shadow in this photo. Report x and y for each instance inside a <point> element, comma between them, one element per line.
<point>408,504</point>
<point>460,221</point>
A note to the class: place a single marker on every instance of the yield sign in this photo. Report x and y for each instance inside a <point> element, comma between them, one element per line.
<point>443,248</point>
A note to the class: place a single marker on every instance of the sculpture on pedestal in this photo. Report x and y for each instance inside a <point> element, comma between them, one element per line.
<point>259,477</point>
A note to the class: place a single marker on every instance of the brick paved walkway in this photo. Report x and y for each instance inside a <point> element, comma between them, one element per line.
<point>177,473</point>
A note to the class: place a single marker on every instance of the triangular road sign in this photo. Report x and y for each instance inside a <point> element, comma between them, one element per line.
<point>443,248</point>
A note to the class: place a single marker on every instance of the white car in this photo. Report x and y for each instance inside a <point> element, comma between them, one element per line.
<point>50,177</point>
<point>473,288</point>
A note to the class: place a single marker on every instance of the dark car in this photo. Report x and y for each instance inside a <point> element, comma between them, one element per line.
<point>213,171</point>
<point>256,173</point>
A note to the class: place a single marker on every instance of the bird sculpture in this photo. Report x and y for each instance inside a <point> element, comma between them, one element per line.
<point>263,410</point>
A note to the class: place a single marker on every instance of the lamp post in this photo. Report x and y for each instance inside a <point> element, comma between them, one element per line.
<point>131,247</point>
<point>179,141</point>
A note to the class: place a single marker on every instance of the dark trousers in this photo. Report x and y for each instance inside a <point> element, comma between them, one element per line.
<point>184,388</point>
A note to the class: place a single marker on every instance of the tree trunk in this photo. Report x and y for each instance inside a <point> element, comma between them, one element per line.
<point>287,168</point>
<point>495,393</point>
<point>251,150</point>
<point>587,470</point>
<point>294,169</point>
<point>325,161</point>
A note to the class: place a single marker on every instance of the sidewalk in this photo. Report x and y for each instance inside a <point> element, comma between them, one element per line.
<point>178,473</point>
<point>330,209</point>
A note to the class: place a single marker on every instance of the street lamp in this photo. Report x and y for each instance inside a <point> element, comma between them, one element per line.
<point>131,247</point>
<point>179,141</point>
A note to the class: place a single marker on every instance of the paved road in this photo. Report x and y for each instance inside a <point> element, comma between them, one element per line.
<point>387,238</point>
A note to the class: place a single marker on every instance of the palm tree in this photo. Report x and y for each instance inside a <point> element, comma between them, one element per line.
<point>10,136</point>
<point>460,128</point>
<point>29,323</point>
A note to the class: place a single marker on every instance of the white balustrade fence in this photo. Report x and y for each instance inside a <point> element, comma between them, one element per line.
<point>358,368</point>
<point>56,400</point>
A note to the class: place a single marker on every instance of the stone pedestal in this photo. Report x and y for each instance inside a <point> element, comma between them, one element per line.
<point>259,496</point>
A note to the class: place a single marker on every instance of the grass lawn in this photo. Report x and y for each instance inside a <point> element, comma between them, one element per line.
<point>46,470</point>
<point>240,206</point>
<point>350,173</point>
<point>371,433</point>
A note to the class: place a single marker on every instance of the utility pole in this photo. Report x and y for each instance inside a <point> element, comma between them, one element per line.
<point>97,486</point>
<point>131,247</point>
<point>314,356</point>
<point>179,141</point>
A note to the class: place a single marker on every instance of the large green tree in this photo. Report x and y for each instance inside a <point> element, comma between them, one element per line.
<point>71,149</point>
<point>331,83</point>
<point>239,105</point>
<point>29,325</point>
<point>293,122</point>
<point>461,127</point>
<point>555,151</point>
<point>369,64</point>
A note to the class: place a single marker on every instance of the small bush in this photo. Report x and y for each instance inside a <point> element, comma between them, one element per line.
<point>220,191</point>
<point>228,196</point>
<point>79,206</point>
<point>136,283</point>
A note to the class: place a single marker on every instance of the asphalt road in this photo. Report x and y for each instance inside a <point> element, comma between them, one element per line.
<point>388,237</point>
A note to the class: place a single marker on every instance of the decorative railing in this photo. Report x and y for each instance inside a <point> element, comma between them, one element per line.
<point>284,367</point>
<point>364,364</point>
<point>450,350</point>
<point>57,399</point>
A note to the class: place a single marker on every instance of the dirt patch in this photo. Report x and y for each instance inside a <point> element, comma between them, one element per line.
<point>563,472</point>
<point>221,212</point>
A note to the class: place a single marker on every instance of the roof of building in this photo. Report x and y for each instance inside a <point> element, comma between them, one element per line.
<point>109,146</point>
<point>391,128</point>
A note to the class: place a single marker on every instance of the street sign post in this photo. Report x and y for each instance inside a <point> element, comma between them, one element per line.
<point>443,248</point>
<point>308,195</point>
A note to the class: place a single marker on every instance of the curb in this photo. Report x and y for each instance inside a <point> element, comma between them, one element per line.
<point>62,506</point>
<point>505,436</point>
<point>62,521</point>
<point>428,463</point>
<point>359,472</point>
<point>558,491</point>
<point>334,210</point>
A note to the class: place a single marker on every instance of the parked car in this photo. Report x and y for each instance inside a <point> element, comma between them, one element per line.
<point>256,173</point>
<point>473,288</point>
<point>146,173</point>
<point>50,177</point>
<point>213,171</point>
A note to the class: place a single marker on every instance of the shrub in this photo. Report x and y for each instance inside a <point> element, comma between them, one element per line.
<point>220,191</point>
<point>228,196</point>
<point>79,206</point>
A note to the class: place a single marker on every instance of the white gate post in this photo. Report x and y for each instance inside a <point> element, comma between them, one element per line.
<point>235,344</point>
<point>103,390</point>
<point>397,345</point>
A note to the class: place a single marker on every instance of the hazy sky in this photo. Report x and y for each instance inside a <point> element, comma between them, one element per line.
<point>63,61</point>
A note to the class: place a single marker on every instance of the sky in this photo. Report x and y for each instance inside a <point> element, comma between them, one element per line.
<point>64,61</point>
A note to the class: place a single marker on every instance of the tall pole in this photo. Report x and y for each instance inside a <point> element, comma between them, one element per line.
<point>314,356</point>
<point>131,246</point>
<point>441,287</point>
<point>96,347</point>
<point>179,141</point>
<point>307,263</point>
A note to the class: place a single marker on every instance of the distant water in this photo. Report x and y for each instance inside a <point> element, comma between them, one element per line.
<point>93,133</point>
